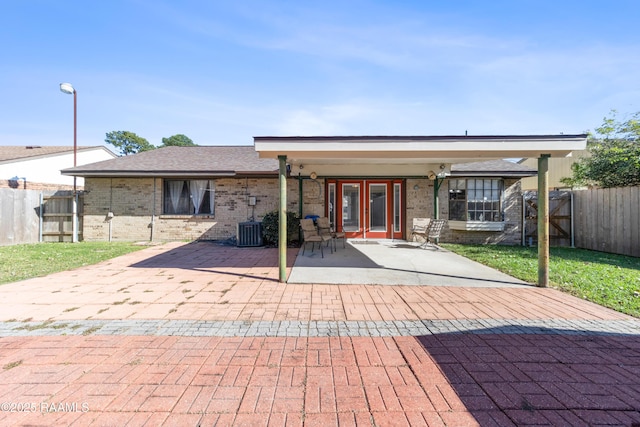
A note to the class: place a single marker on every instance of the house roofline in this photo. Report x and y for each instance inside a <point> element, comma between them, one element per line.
<point>394,149</point>
<point>471,174</point>
<point>167,174</point>
<point>387,138</point>
<point>57,154</point>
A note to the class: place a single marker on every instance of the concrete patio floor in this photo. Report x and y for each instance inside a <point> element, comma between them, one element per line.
<point>202,334</point>
<point>393,262</point>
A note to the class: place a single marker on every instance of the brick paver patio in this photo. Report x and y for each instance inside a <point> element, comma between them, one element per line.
<point>200,334</point>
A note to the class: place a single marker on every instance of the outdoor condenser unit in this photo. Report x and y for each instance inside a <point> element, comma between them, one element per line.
<point>250,233</point>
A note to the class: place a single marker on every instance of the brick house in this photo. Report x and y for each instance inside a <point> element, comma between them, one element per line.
<point>188,193</point>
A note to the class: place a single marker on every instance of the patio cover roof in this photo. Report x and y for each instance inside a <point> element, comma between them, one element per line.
<point>415,149</point>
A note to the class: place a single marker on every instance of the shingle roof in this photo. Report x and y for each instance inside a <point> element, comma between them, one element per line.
<point>502,168</point>
<point>183,161</point>
<point>16,152</point>
<point>242,160</point>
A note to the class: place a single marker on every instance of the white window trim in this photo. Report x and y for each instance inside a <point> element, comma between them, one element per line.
<point>212,203</point>
<point>476,225</point>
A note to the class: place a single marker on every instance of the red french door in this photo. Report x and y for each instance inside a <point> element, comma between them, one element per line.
<point>366,208</point>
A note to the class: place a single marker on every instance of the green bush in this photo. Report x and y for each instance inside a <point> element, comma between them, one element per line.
<point>270,224</point>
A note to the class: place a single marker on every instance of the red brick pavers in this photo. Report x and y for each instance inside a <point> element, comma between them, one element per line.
<point>450,379</point>
<point>490,377</point>
<point>203,281</point>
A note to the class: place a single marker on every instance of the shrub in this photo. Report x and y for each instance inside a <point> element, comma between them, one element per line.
<point>270,223</point>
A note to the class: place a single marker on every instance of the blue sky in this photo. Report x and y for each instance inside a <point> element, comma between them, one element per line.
<point>222,72</point>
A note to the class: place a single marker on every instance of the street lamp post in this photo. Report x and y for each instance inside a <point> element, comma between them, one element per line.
<point>69,89</point>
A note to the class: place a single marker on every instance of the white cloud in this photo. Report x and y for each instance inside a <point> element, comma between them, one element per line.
<point>323,120</point>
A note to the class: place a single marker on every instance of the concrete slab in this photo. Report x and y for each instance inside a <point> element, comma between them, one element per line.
<point>394,262</point>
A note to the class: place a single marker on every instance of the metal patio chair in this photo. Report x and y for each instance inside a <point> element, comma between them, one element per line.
<point>420,228</point>
<point>324,227</point>
<point>311,235</point>
<point>428,229</point>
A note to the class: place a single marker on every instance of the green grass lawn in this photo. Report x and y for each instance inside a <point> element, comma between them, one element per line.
<point>21,262</point>
<point>607,279</point>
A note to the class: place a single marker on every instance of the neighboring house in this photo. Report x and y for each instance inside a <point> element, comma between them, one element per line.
<point>559,167</point>
<point>38,167</point>
<point>186,193</point>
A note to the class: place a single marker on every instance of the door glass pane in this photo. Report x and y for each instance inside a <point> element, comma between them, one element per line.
<point>351,207</point>
<point>332,204</point>
<point>377,207</point>
<point>396,208</point>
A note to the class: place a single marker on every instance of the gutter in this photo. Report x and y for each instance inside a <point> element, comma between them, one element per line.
<point>177,174</point>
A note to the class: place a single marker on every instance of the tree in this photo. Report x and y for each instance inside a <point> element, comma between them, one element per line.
<point>178,140</point>
<point>128,142</point>
<point>615,155</point>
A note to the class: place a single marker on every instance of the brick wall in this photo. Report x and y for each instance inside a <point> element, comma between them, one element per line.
<point>420,205</point>
<point>313,195</point>
<point>132,202</point>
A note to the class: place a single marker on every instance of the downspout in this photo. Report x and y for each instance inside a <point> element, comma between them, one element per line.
<point>110,213</point>
<point>282,232</point>
<point>153,211</point>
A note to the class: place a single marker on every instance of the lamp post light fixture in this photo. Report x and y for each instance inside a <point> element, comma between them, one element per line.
<point>70,90</point>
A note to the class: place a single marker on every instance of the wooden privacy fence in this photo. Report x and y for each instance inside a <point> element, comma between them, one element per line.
<point>31,216</point>
<point>608,220</point>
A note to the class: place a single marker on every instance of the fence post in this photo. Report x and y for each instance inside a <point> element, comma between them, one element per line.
<point>74,211</point>
<point>41,217</point>
<point>524,220</point>
<point>573,231</point>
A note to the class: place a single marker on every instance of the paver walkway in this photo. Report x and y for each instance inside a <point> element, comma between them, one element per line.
<point>200,334</point>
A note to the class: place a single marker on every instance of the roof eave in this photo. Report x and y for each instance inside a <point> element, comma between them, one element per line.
<point>470,174</point>
<point>168,174</point>
<point>136,174</point>
<point>453,148</point>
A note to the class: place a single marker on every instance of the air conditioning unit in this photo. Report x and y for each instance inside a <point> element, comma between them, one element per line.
<point>249,233</point>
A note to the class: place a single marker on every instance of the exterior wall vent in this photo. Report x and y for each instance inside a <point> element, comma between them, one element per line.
<point>249,234</point>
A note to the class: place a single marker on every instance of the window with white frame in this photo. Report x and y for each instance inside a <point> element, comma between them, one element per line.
<point>188,197</point>
<point>475,200</point>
